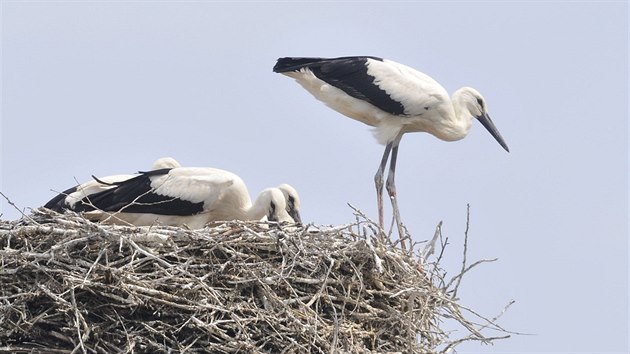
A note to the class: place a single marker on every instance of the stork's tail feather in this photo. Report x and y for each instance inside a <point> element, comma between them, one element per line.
<point>294,63</point>
<point>287,64</point>
<point>58,203</point>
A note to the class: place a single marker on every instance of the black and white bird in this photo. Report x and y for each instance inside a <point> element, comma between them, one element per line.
<point>394,99</point>
<point>192,196</point>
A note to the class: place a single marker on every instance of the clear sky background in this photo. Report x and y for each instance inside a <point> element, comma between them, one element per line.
<point>108,87</point>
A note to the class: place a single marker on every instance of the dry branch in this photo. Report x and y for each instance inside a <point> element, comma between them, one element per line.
<point>72,286</point>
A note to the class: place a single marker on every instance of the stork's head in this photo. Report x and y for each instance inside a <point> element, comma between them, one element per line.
<point>271,203</point>
<point>292,200</point>
<point>467,99</point>
<point>165,162</point>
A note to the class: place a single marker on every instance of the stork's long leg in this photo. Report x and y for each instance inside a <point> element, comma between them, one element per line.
<point>378,181</point>
<point>391,190</point>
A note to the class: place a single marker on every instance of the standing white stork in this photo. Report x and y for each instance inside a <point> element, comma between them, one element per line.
<point>192,196</point>
<point>394,99</point>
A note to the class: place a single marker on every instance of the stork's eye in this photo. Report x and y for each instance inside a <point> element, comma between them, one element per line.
<point>480,102</point>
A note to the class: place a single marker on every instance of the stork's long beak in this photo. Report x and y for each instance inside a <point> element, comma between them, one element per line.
<point>295,214</point>
<point>487,122</point>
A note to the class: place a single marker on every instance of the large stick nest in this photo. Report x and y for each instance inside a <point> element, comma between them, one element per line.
<point>70,285</point>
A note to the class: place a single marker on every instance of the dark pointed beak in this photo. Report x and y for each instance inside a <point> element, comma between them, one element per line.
<point>295,214</point>
<point>487,122</point>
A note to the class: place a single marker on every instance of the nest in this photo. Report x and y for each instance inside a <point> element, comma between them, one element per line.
<point>68,285</point>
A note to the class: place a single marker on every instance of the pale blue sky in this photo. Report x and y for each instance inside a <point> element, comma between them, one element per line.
<point>107,87</point>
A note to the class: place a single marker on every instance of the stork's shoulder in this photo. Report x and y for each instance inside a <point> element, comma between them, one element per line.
<point>416,91</point>
<point>391,75</point>
<point>206,175</point>
<point>196,184</point>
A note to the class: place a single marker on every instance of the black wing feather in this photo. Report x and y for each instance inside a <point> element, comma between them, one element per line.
<point>348,74</point>
<point>136,195</point>
<point>58,203</point>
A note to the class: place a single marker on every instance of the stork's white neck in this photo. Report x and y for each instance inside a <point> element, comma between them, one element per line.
<point>263,204</point>
<point>458,126</point>
<point>257,210</point>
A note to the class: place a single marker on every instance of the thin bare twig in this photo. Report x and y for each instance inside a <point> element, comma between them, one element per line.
<point>18,209</point>
<point>465,254</point>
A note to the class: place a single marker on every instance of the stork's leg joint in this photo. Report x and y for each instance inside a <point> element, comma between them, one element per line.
<point>390,186</point>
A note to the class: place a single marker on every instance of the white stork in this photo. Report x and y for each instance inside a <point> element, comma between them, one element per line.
<point>192,196</point>
<point>394,99</point>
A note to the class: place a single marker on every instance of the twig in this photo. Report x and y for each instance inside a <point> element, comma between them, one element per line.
<point>461,273</point>
<point>430,247</point>
<point>18,209</point>
<point>79,322</point>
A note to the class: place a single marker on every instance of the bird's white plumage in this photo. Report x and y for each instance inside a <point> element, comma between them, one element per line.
<point>192,196</point>
<point>394,99</point>
<point>334,97</point>
<point>292,200</point>
<point>261,207</point>
<point>219,205</point>
<point>289,192</point>
<point>414,89</point>
<point>198,184</point>
<point>165,162</point>
<point>427,105</point>
<point>224,196</point>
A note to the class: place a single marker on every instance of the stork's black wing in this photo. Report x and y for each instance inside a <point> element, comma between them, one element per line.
<point>349,74</point>
<point>58,203</point>
<point>137,195</point>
